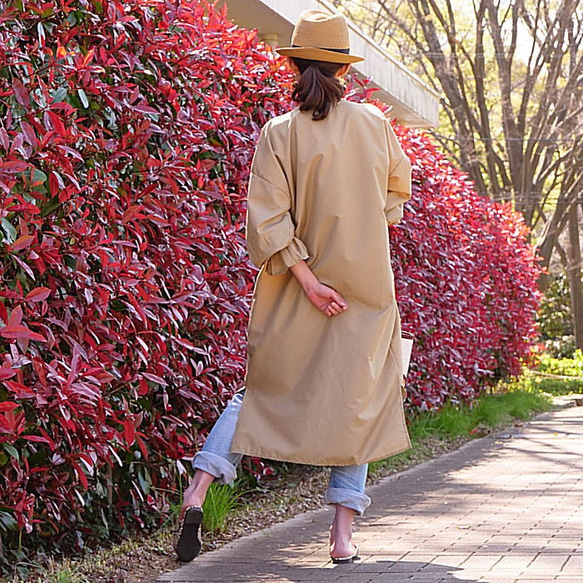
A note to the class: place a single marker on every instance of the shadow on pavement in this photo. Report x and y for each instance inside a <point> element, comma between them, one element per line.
<point>381,571</point>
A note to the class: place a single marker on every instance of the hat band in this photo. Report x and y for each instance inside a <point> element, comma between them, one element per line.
<point>343,51</point>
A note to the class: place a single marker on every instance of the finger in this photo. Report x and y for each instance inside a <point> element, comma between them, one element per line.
<point>329,310</point>
<point>336,297</point>
<point>336,308</point>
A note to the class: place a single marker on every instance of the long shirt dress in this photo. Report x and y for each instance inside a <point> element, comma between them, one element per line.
<point>319,390</point>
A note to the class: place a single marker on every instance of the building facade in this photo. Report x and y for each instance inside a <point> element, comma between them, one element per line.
<point>413,104</point>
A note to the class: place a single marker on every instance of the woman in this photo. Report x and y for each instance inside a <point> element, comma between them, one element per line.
<point>324,375</point>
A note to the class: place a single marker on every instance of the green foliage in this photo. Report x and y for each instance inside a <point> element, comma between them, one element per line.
<point>496,410</point>
<point>448,422</point>
<point>65,575</point>
<point>493,410</point>
<point>571,367</point>
<point>561,347</point>
<point>555,319</point>
<point>219,502</point>
<point>517,400</point>
<point>558,386</point>
<point>563,367</point>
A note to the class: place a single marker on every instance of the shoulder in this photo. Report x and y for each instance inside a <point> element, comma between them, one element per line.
<point>278,124</point>
<point>367,110</point>
<point>366,116</point>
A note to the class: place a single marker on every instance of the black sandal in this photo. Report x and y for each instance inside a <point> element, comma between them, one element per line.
<point>189,543</point>
<point>349,559</point>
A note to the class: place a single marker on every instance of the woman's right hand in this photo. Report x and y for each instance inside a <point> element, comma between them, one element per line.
<point>325,298</point>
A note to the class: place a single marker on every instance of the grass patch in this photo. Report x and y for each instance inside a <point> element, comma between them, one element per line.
<point>490,410</point>
<point>559,387</point>
<point>437,431</point>
<point>63,571</point>
<point>220,501</point>
<point>557,376</point>
<point>557,382</point>
<point>572,367</point>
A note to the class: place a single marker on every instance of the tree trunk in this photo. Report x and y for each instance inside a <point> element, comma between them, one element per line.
<point>574,274</point>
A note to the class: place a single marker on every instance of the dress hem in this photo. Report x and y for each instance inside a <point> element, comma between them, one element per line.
<point>263,455</point>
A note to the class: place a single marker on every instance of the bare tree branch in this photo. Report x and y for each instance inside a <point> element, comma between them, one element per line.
<point>513,94</point>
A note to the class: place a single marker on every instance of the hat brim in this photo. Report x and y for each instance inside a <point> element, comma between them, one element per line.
<point>315,54</point>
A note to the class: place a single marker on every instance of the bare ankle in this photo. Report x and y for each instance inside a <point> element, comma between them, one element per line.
<point>341,529</point>
<point>195,494</point>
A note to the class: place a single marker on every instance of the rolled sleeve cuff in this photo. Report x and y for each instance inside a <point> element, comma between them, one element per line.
<point>357,501</point>
<point>281,261</point>
<point>215,465</point>
<point>394,215</point>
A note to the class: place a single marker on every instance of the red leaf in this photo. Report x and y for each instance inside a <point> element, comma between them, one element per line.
<point>19,331</point>
<point>21,93</point>
<point>38,294</point>
<point>143,388</point>
<point>80,474</point>
<point>13,166</point>
<point>56,183</point>
<point>22,242</point>
<point>15,316</point>
<point>129,432</point>
<point>57,123</point>
<point>8,406</point>
<point>145,109</point>
<point>20,390</point>
<point>36,438</point>
<point>155,378</point>
<point>142,446</point>
<point>87,58</point>
<point>6,372</point>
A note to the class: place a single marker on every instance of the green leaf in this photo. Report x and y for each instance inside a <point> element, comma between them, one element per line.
<point>11,450</point>
<point>118,306</point>
<point>59,94</point>
<point>9,230</point>
<point>39,176</point>
<point>7,521</point>
<point>50,207</point>
<point>70,261</point>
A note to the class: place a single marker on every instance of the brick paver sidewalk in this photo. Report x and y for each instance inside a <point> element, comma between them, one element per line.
<point>503,508</point>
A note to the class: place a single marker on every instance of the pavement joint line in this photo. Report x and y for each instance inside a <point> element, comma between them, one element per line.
<point>494,511</point>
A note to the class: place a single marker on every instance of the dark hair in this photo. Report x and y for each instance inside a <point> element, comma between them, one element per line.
<point>318,89</point>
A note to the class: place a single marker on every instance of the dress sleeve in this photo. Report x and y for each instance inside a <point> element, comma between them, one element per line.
<point>270,231</point>
<point>399,187</point>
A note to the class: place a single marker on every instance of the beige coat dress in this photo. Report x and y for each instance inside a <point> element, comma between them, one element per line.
<point>319,390</point>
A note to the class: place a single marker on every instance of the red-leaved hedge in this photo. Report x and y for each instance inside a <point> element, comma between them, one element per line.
<point>126,135</point>
<point>466,282</point>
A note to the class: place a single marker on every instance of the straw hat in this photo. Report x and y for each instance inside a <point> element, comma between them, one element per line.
<point>319,36</point>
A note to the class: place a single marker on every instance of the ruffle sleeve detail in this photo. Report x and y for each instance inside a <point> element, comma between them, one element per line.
<point>281,261</point>
<point>270,232</point>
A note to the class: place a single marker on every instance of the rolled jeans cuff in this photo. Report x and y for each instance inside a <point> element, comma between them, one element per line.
<point>349,498</point>
<point>215,465</point>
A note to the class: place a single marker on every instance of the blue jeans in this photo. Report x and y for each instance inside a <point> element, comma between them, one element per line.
<point>346,486</point>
